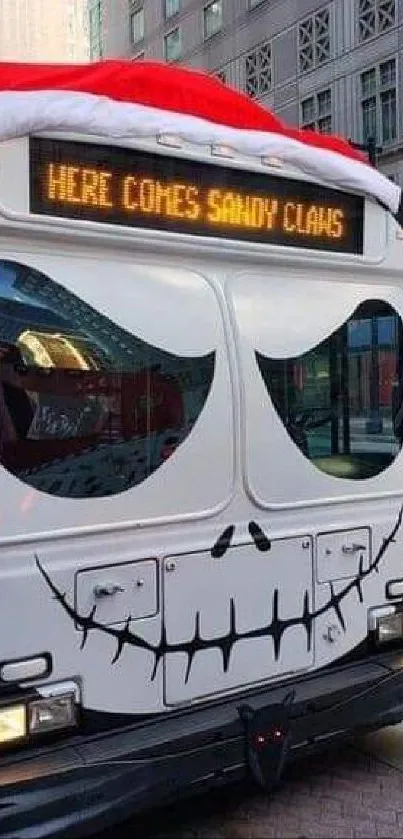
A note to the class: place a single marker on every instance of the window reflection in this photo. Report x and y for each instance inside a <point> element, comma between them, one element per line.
<point>342,402</point>
<point>86,408</point>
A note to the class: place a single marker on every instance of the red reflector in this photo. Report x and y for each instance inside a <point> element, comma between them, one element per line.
<point>261,740</point>
<point>278,734</point>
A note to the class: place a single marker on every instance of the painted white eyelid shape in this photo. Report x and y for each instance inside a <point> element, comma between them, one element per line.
<point>172,308</point>
<point>287,317</point>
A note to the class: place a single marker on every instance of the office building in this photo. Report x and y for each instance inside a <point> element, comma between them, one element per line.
<point>43,30</point>
<point>332,66</point>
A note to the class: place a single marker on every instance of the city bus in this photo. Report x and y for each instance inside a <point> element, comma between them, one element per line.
<point>201,402</point>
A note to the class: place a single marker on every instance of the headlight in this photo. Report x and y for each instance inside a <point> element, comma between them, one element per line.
<point>390,629</point>
<point>51,714</point>
<point>52,709</point>
<point>13,723</point>
<point>385,623</point>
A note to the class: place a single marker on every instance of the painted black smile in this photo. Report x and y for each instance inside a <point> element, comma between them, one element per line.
<point>274,629</point>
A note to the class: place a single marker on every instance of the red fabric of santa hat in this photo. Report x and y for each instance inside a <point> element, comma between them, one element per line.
<point>119,99</point>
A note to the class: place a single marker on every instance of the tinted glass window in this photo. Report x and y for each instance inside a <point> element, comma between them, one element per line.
<point>342,402</point>
<point>86,408</point>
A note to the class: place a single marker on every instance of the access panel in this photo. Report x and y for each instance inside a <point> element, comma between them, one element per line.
<point>119,591</point>
<point>236,620</point>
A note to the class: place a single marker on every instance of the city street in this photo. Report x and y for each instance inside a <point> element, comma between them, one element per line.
<point>354,792</point>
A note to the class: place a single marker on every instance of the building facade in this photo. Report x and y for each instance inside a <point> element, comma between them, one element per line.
<point>334,66</point>
<point>43,30</point>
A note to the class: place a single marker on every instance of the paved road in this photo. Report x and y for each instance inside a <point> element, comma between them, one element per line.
<point>351,793</point>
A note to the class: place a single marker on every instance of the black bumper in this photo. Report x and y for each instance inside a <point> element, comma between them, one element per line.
<point>89,783</point>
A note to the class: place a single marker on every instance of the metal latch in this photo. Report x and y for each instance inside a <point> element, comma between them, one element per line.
<point>107,590</point>
<point>332,633</point>
<point>353,549</point>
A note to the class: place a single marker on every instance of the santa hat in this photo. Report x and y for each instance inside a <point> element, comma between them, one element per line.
<point>124,99</point>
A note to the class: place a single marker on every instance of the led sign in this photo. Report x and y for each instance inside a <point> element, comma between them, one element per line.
<point>128,187</point>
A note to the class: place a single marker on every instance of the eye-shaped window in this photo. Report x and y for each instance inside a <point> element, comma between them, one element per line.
<point>342,402</point>
<point>86,408</point>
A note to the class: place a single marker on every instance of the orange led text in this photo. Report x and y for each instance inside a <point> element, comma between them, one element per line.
<point>312,220</point>
<point>78,185</point>
<point>128,194</point>
<point>174,200</point>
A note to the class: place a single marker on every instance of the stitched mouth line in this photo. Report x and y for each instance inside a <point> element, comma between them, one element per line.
<point>274,629</point>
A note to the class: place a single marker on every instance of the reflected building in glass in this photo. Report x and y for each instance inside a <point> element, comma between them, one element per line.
<point>87,408</point>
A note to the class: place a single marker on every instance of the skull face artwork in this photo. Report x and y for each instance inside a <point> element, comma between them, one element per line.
<point>91,412</point>
<point>275,629</point>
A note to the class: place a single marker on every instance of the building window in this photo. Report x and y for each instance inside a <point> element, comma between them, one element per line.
<point>316,112</point>
<point>221,75</point>
<point>95,30</point>
<point>258,75</point>
<point>171,7</point>
<point>212,17</point>
<point>137,26</point>
<point>87,409</point>
<point>378,103</point>
<point>341,402</point>
<point>375,17</point>
<point>172,45</point>
<point>314,41</point>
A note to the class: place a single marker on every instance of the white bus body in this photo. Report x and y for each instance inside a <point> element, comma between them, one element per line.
<point>201,495</point>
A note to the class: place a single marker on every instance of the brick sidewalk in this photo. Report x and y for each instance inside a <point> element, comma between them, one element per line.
<point>346,794</point>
